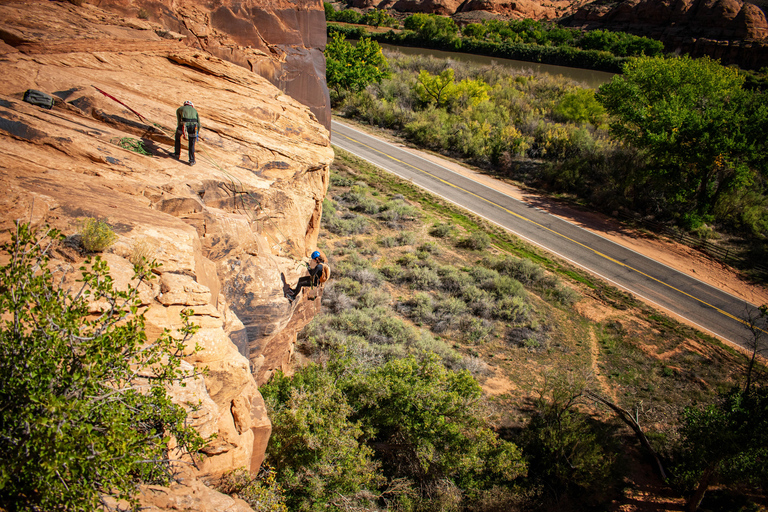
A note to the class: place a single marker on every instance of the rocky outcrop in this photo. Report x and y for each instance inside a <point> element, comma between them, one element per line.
<point>282,41</point>
<point>467,11</point>
<point>224,231</point>
<point>730,30</point>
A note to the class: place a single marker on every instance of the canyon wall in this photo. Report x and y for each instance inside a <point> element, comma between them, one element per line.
<point>227,232</point>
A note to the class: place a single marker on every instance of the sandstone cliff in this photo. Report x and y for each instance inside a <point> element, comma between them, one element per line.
<point>224,230</point>
<point>282,41</point>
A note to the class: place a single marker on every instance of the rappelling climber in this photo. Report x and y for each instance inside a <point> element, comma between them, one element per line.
<point>319,271</point>
<point>187,126</point>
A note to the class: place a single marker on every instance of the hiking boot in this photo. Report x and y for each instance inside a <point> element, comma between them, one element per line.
<point>177,157</point>
<point>191,163</point>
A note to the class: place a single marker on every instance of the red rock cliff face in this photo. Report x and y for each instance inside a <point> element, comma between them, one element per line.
<point>283,41</point>
<point>730,30</point>
<point>226,231</point>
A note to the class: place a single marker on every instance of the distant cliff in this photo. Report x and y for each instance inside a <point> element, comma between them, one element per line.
<point>225,231</point>
<point>730,30</point>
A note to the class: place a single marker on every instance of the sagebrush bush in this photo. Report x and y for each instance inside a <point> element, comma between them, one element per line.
<point>96,235</point>
<point>476,241</point>
<point>442,230</point>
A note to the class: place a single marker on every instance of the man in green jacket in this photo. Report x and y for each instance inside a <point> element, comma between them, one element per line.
<point>187,123</point>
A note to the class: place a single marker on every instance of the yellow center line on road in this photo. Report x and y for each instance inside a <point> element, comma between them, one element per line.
<point>526,219</point>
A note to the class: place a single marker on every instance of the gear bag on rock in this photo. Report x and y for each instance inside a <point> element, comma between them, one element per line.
<point>39,98</point>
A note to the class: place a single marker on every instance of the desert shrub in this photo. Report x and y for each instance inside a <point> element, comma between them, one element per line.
<point>392,272</point>
<point>564,295</point>
<point>430,248</point>
<point>337,180</point>
<point>513,309</point>
<point>532,338</point>
<point>523,269</point>
<point>474,365</point>
<point>421,278</point>
<point>357,199</point>
<point>408,260</point>
<point>348,224</point>
<point>261,492</point>
<point>77,426</point>
<point>96,235</point>
<point>388,242</point>
<point>336,300</point>
<point>474,329</point>
<point>373,297</point>
<point>418,308</point>
<point>396,212</point>
<point>453,280</point>
<point>143,251</point>
<point>476,241</point>
<point>406,238</point>
<point>504,286</point>
<point>442,230</point>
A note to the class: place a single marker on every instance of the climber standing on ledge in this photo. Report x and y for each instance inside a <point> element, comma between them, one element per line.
<point>188,126</point>
<point>319,271</point>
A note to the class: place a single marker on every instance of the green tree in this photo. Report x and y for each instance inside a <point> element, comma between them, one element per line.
<point>352,68</point>
<point>84,412</point>
<point>314,446</point>
<point>727,440</point>
<point>691,117</point>
<point>428,423</point>
<point>432,27</point>
<point>580,106</point>
<point>442,90</point>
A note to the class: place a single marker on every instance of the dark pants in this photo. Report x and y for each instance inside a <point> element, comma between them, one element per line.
<point>304,281</point>
<point>192,136</point>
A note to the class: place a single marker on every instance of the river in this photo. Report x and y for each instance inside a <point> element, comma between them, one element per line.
<point>588,77</point>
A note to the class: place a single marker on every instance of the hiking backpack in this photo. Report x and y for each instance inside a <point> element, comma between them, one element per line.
<point>325,275</point>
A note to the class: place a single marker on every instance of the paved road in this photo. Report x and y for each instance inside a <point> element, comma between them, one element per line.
<point>712,310</point>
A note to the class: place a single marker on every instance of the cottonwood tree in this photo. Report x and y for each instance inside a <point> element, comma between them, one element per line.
<point>699,127</point>
<point>726,441</point>
<point>352,68</point>
<point>84,412</point>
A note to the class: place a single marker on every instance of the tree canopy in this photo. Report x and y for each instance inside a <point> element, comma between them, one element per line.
<point>84,412</point>
<point>697,124</point>
<point>352,68</point>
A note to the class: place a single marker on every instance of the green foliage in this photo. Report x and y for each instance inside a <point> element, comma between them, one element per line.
<point>315,446</point>
<point>580,106</point>
<point>129,143</point>
<point>262,493</point>
<point>96,235</point>
<point>84,412</point>
<point>726,441</point>
<point>424,425</point>
<point>697,124</point>
<point>352,68</point>
<point>442,90</point>
<point>427,422</point>
<point>565,450</point>
<point>431,26</point>
<point>476,241</point>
